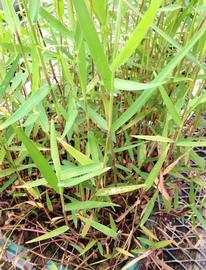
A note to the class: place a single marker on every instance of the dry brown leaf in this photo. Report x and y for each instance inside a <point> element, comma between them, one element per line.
<point>139,258</point>
<point>173,164</point>
<point>36,204</point>
<point>161,187</point>
<point>162,264</point>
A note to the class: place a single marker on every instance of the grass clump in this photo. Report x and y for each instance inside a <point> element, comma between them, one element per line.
<point>101,110</point>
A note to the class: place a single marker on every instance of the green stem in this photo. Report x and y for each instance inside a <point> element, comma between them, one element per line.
<point>18,36</point>
<point>40,56</point>
<point>63,206</point>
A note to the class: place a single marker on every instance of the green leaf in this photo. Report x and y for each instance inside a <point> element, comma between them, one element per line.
<point>197,159</point>
<point>112,222</point>
<point>31,119</point>
<point>80,170</point>
<point>168,38</point>
<point>164,73</point>
<point>137,36</point>
<point>128,85</point>
<point>9,171</point>
<point>9,182</point>
<point>82,64</point>
<point>48,202</point>
<point>93,43</point>
<point>124,252</point>
<point>200,182</point>
<point>26,107</point>
<point>77,180</point>
<point>40,161</point>
<point>11,16</point>
<point>148,233</point>
<point>80,157</point>
<point>100,227</point>
<point>66,70</point>
<point>36,183</point>
<point>100,10</point>
<point>34,6</point>
<point>156,138</point>
<point>141,155</point>
<point>100,248</point>
<point>149,209</point>
<point>170,106</point>
<point>156,169</point>
<point>9,76</point>
<point>155,245</point>
<point>88,247</point>
<point>50,235</point>
<point>93,146</point>
<point>146,241</point>
<point>170,8</point>
<point>53,267</point>
<point>162,244</point>
<point>54,151</point>
<point>199,216</point>
<point>72,113</point>
<point>124,148</point>
<point>80,205</point>
<point>118,190</point>
<point>189,143</point>
<point>58,26</point>
<point>97,118</point>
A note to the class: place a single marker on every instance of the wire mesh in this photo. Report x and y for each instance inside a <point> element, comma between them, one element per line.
<point>189,253</point>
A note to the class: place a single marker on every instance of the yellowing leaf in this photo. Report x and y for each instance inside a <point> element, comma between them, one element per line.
<point>118,190</point>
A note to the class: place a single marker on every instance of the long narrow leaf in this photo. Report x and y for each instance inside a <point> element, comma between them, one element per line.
<point>170,106</point>
<point>40,161</point>
<point>129,85</point>
<point>80,157</point>
<point>54,151</point>
<point>100,227</point>
<point>80,170</point>
<point>118,190</point>
<point>78,180</point>
<point>26,107</point>
<point>199,216</point>
<point>137,36</point>
<point>9,76</point>
<point>55,23</point>
<point>50,235</point>
<point>80,205</point>
<point>156,138</point>
<point>164,73</point>
<point>93,42</point>
<point>149,209</point>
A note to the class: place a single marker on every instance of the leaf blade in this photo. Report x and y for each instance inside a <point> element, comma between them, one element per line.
<point>100,227</point>
<point>137,36</point>
<point>164,73</point>
<point>149,209</point>
<point>80,157</point>
<point>9,76</point>
<point>78,180</point>
<point>40,161</point>
<point>55,23</point>
<point>81,205</point>
<point>93,43</point>
<point>118,190</point>
<point>26,107</point>
<point>49,235</point>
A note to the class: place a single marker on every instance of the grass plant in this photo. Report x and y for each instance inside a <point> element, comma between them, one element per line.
<point>102,106</point>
